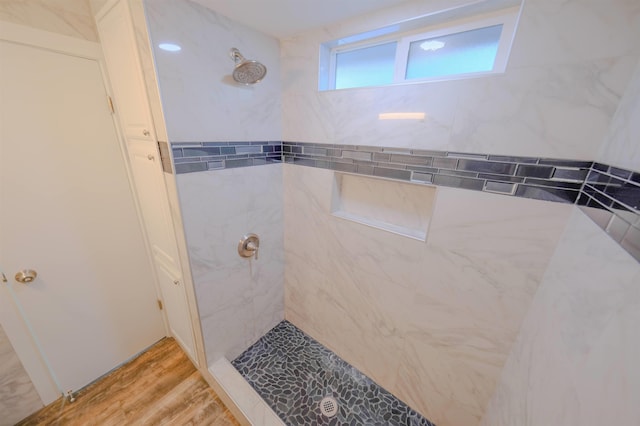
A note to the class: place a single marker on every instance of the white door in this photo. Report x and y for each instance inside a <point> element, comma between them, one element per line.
<point>176,302</point>
<point>131,103</point>
<point>67,211</point>
<point>149,182</point>
<point>118,43</point>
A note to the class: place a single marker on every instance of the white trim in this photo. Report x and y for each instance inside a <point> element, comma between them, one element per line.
<point>124,151</point>
<point>402,60</point>
<point>29,36</point>
<point>196,353</point>
<point>106,8</point>
<point>332,69</point>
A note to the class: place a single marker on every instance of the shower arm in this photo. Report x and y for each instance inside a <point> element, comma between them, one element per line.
<point>236,56</point>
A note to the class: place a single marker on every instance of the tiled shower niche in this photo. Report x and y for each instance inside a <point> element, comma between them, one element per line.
<point>293,373</point>
<point>397,207</point>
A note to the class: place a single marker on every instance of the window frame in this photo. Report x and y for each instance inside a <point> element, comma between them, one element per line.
<point>508,18</point>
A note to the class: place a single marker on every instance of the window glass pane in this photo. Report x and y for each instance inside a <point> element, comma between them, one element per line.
<point>369,66</point>
<point>460,53</point>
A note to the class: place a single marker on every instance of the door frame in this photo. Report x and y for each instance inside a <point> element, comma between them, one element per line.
<point>14,322</point>
<point>143,52</point>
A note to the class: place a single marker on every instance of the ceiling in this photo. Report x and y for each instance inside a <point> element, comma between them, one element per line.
<point>284,18</point>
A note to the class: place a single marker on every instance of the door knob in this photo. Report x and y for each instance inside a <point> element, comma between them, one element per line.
<point>249,245</point>
<point>146,132</point>
<point>26,276</point>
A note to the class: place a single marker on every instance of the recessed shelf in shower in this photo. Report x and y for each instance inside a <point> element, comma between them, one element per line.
<point>393,206</point>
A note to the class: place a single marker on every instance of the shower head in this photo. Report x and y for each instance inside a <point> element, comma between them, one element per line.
<point>246,71</point>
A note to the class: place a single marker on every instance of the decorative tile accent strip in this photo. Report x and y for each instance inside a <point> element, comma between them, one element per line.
<point>529,177</point>
<point>293,373</point>
<point>611,197</point>
<point>191,157</point>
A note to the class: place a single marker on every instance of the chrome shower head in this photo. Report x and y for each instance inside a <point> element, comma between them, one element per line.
<point>246,71</point>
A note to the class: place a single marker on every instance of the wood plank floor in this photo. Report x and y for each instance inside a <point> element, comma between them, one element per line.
<point>159,387</point>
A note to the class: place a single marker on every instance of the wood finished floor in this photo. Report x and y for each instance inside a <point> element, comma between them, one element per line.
<point>159,387</point>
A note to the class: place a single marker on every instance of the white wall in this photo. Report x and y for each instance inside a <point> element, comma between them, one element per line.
<point>238,300</point>
<point>570,63</point>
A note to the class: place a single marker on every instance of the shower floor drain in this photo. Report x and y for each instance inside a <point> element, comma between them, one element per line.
<point>329,406</point>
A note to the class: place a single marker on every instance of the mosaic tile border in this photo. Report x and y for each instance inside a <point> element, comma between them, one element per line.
<point>529,177</point>
<point>611,198</point>
<point>609,195</point>
<point>189,157</point>
<point>292,372</point>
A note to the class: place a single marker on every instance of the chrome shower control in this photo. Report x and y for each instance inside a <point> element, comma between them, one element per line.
<point>249,245</point>
<point>26,276</point>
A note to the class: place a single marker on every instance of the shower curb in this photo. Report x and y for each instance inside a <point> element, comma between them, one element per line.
<point>253,408</point>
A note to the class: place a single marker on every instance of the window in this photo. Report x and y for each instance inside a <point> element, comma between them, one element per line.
<point>460,53</point>
<point>366,66</point>
<point>464,49</point>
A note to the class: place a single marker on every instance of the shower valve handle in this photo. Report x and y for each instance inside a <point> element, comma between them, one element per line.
<point>249,245</point>
<point>254,248</point>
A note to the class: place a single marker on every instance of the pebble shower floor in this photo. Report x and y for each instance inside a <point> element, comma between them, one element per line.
<point>293,373</point>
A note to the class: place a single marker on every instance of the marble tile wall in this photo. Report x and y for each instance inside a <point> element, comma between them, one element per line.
<point>201,102</point>
<point>434,323</point>
<point>70,18</point>
<point>431,322</point>
<point>239,299</point>
<point>18,396</point>
<point>611,197</point>
<point>569,65</point>
<point>574,360</point>
<point>620,148</point>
